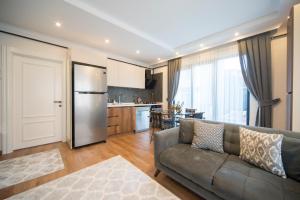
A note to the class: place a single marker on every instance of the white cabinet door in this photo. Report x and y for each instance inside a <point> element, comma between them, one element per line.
<point>112,73</point>
<point>125,75</point>
<point>140,77</point>
<point>121,74</point>
<point>132,76</point>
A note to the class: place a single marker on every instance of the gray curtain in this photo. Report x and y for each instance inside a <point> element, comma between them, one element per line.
<point>173,78</point>
<point>255,59</point>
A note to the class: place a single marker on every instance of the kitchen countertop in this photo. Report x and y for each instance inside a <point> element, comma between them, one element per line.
<point>111,105</point>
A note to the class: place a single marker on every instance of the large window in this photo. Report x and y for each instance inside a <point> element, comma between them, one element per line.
<point>212,82</point>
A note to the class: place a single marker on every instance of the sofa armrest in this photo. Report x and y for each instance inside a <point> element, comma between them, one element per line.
<point>163,140</point>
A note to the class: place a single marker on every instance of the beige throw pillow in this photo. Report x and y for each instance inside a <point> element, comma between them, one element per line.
<point>208,136</point>
<point>262,150</point>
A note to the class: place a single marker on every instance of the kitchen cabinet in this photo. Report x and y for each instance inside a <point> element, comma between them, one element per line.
<point>121,74</point>
<point>112,73</point>
<point>120,120</point>
<point>113,121</point>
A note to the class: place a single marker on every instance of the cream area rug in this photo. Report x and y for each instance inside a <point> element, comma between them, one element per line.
<point>113,179</point>
<point>17,170</point>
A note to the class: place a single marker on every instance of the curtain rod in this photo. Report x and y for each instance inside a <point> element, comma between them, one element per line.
<point>33,39</point>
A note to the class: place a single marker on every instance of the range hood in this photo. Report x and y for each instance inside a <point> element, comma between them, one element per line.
<point>149,80</point>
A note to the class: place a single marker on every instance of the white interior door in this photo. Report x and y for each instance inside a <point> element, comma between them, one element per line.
<point>37,91</point>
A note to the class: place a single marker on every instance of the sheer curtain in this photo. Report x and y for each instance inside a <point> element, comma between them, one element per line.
<point>212,82</point>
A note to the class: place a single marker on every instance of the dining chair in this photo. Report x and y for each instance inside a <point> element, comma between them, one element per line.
<point>199,115</point>
<point>155,117</point>
<point>190,112</point>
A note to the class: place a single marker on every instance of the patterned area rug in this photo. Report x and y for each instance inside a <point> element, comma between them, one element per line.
<point>17,170</point>
<point>114,178</point>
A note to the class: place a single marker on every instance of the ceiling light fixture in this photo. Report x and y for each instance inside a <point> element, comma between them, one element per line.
<point>107,41</point>
<point>58,24</point>
<point>288,17</point>
<point>137,52</point>
<point>236,34</point>
<point>158,59</point>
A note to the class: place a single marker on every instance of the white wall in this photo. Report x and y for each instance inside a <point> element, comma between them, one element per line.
<point>279,80</point>
<point>88,55</point>
<point>164,70</point>
<point>296,72</point>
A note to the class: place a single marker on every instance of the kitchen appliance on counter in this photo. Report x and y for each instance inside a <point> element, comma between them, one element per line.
<point>142,122</point>
<point>89,103</point>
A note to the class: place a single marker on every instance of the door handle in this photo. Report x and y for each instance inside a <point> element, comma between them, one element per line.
<point>57,101</point>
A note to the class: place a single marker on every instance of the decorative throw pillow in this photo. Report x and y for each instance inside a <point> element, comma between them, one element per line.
<point>186,131</point>
<point>208,136</point>
<point>262,150</point>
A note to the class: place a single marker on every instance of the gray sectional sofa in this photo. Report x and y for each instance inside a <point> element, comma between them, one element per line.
<point>225,176</point>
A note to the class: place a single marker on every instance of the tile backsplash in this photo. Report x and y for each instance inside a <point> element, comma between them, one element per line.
<point>128,94</point>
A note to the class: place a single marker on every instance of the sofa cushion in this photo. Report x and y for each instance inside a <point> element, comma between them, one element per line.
<point>208,136</point>
<point>262,150</point>
<point>231,137</point>
<point>186,132</point>
<point>290,154</point>
<point>197,165</point>
<point>237,179</point>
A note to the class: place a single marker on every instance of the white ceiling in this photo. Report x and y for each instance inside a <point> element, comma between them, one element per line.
<point>158,28</point>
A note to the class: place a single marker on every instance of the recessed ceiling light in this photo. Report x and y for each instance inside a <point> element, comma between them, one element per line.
<point>158,58</point>
<point>107,41</point>
<point>201,45</point>
<point>58,24</point>
<point>137,52</point>
<point>288,17</point>
<point>177,53</point>
<point>236,34</point>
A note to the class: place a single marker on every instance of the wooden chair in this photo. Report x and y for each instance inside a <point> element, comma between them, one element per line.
<point>155,117</point>
<point>199,115</point>
<point>190,112</point>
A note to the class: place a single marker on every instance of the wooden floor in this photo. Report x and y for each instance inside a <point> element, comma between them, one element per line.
<point>136,148</point>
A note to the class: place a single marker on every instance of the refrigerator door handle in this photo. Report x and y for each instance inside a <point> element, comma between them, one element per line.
<point>81,92</point>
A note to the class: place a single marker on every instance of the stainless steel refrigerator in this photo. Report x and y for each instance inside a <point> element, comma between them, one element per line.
<point>89,104</point>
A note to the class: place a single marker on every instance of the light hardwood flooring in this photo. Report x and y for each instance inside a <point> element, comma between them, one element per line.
<point>136,148</point>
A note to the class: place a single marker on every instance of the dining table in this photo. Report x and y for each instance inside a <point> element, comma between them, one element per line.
<point>169,118</point>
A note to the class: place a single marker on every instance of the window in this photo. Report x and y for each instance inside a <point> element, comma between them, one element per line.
<point>212,82</point>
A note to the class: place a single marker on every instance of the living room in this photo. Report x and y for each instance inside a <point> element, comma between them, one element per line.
<point>150,99</point>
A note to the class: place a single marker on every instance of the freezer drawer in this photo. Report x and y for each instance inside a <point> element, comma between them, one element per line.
<point>89,118</point>
<point>89,79</point>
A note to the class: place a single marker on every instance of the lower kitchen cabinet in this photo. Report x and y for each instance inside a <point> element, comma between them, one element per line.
<point>120,120</point>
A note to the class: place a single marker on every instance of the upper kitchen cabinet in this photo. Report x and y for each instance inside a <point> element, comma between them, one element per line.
<point>112,73</point>
<point>121,74</point>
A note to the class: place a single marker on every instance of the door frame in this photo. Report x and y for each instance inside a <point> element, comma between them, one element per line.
<point>7,117</point>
